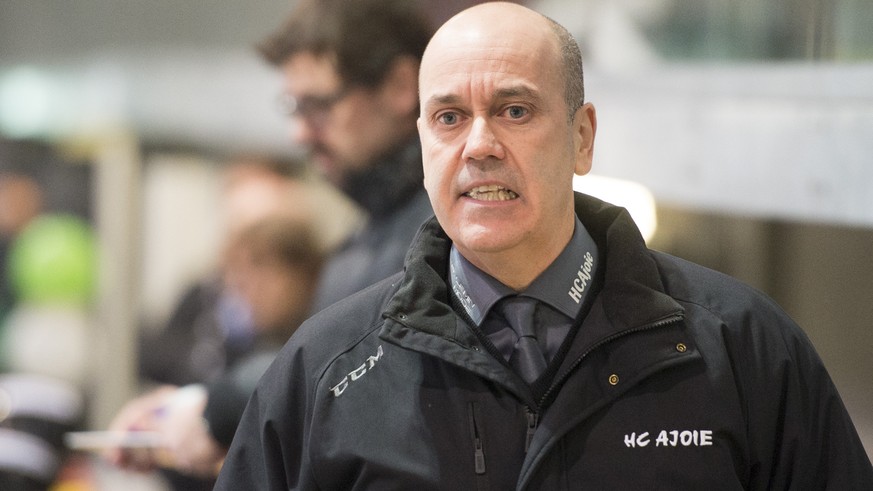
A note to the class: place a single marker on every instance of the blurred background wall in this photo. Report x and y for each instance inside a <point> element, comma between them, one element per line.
<point>749,121</point>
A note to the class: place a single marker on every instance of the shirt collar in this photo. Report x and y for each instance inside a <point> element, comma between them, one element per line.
<point>563,285</point>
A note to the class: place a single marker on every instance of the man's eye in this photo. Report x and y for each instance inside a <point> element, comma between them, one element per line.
<point>448,118</point>
<point>516,112</point>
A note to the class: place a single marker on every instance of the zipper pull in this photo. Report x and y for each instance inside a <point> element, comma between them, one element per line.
<point>479,456</point>
<point>532,421</point>
<point>478,449</point>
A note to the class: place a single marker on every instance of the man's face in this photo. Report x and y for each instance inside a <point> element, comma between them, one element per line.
<point>343,127</point>
<point>498,150</point>
<point>274,290</point>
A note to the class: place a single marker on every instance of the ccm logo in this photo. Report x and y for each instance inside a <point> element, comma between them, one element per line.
<point>357,373</point>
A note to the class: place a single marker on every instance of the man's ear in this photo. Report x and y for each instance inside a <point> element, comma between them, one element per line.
<point>584,129</point>
<point>399,89</point>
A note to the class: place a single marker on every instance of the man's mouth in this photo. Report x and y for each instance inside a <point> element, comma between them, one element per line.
<point>491,192</point>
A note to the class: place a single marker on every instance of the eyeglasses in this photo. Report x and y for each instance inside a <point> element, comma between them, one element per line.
<point>315,109</point>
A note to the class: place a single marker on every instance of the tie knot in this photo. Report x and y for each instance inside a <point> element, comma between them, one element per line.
<point>519,313</point>
<point>527,358</point>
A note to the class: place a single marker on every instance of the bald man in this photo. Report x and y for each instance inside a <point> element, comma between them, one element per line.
<point>532,340</point>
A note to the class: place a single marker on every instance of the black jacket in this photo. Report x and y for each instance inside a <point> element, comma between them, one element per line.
<point>395,203</point>
<point>678,378</point>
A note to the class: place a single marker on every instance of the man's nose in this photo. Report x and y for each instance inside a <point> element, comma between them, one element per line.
<point>481,142</point>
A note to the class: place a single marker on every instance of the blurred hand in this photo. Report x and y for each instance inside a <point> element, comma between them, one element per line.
<point>175,414</point>
<point>190,448</point>
<point>140,414</point>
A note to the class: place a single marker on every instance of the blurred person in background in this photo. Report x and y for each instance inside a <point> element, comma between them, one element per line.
<point>215,325</point>
<point>209,329</point>
<point>271,266</point>
<point>351,89</point>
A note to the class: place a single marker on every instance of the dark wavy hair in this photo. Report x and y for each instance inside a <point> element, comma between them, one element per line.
<point>365,36</point>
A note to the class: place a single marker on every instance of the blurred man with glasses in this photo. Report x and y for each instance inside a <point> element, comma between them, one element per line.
<point>351,92</point>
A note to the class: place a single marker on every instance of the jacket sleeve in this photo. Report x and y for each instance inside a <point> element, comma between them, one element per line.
<point>229,394</point>
<point>268,451</point>
<point>800,432</point>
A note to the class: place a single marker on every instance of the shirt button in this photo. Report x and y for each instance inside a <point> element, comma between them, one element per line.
<point>681,348</point>
<point>613,379</point>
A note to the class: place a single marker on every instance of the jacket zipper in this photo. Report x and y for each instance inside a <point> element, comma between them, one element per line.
<point>478,449</point>
<point>533,416</point>
<point>532,421</point>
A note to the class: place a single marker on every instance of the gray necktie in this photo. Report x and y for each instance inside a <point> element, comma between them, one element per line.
<point>527,357</point>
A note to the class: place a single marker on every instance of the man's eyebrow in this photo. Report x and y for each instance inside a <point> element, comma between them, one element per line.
<point>517,91</point>
<point>441,100</point>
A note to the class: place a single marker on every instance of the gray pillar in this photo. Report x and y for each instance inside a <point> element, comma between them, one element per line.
<point>118,218</point>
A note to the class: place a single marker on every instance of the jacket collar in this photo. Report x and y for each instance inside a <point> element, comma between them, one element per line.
<point>632,294</point>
